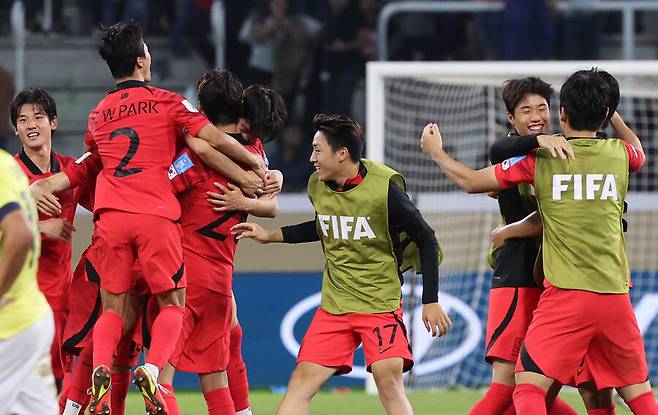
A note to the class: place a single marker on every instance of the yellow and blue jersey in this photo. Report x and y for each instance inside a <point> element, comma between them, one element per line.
<point>25,304</point>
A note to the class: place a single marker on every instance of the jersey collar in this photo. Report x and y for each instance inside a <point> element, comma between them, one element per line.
<point>54,164</point>
<point>132,83</point>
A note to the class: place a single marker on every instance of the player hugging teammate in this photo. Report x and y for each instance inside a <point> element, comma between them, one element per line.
<point>584,306</point>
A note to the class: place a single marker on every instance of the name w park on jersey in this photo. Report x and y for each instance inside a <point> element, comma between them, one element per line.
<point>127,110</point>
<point>346,227</point>
<point>585,186</point>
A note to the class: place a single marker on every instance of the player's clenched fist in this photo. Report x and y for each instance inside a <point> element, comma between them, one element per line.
<point>435,319</point>
<point>431,141</point>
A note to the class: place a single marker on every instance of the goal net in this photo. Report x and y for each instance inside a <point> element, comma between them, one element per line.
<point>465,99</point>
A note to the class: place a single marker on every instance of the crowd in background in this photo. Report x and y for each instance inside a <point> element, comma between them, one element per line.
<point>313,52</point>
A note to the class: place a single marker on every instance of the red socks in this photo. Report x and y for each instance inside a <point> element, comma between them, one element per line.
<point>170,399</point>
<point>107,333</point>
<point>164,335</point>
<point>219,401</point>
<point>120,387</point>
<point>529,399</point>
<point>602,411</point>
<point>644,404</point>
<point>497,398</point>
<point>237,371</point>
<point>81,379</point>
<point>559,407</point>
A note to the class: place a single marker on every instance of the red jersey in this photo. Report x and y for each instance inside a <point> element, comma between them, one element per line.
<point>207,234</point>
<point>135,130</point>
<point>84,173</point>
<point>522,169</point>
<point>54,274</point>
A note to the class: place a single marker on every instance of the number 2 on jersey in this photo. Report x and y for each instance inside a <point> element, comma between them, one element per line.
<point>132,135</point>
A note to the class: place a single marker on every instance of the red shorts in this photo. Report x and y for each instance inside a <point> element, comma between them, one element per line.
<point>203,346</point>
<point>574,327</point>
<point>510,314</point>
<point>331,340</point>
<point>122,237</point>
<point>85,308</point>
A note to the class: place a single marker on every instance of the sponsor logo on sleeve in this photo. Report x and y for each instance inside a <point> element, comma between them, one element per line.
<point>189,106</point>
<point>510,162</point>
<point>180,166</point>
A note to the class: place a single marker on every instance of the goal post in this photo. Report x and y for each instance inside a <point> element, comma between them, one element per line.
<point>465,99</point>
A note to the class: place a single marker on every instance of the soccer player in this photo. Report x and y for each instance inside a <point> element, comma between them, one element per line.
<point>26,322</point>
<point>585,307</point>
<point>361,209</point>
<point>514,294</point>
<point>208,246</point>
<point>34,116</point>
<point>136,129</point>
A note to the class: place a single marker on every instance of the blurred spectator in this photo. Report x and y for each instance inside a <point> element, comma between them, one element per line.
<point>489,28</point>
<point>342,64</point>
<point>113,11</point>
<point>193,24</point>
<point>292,158</point>
<point>581,30</point>
<point>528,29</point>
<point>259,31</point>
<point>39,18</point>
<point>294,44</point>
<point>369,12</point>
<point>6,96</point>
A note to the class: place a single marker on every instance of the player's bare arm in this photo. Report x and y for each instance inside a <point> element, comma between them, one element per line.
<point>624,132</point>
<point>230,147</point>
<point>528,227</point>
<point>256,232</point>
<point>248,181</point>
<point>472,181</point>
<point>17,239</point>
<point>231,198</point>
<point>43,193</point>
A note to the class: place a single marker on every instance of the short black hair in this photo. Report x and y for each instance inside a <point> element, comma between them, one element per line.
<point>265,111</point>
<point>613,98</point>
<point>121,45</point>
<point>34,96</point>
<point>341,131</point>
<point>515,89</point>
<point>586,97</point>
<point>220,96</point>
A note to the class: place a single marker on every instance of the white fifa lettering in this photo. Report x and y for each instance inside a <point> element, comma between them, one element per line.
<point>609,188</point>
<point>559,186</point>
<point>578,187</point>
<point>334,226</point>
<point>592,184</point>
<point>323,219</point>
<point>345,227</point>
<point>363,229</point>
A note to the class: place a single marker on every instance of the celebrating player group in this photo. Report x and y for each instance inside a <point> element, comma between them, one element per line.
<point>171,187</point>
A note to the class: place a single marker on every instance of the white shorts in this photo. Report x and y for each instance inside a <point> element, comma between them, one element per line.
<point>27,385</point>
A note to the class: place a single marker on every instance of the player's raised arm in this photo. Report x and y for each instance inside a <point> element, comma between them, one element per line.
<point>472,181</point>
<point>230,147</point>
<point>518,146</point>
<point>250,183</point>
<point>624,132</point>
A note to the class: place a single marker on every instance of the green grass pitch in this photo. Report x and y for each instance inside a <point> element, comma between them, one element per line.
<point>449,402</point>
